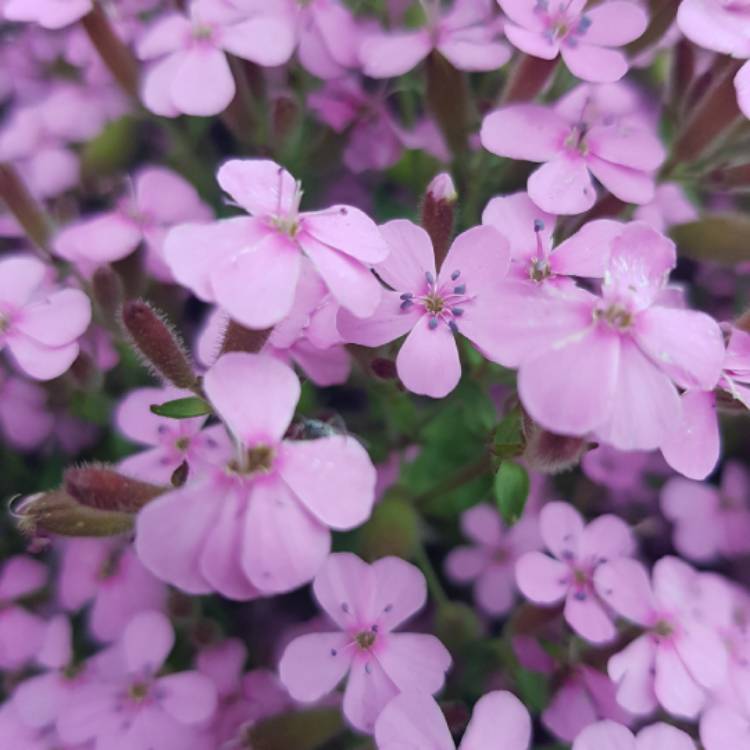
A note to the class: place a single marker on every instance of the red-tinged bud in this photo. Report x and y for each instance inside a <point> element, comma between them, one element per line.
<point>527,79</point>
<point>158,344</point>
<point>438,214</point>
<point>384,368</point>
<point>57,514</point>
<point>104,489</point>
<point>180,474</point>
<point>108,293</point>
<point>237,338</point>
<point>28,213</point>
<point>548,452</point>
<point>85,372</point>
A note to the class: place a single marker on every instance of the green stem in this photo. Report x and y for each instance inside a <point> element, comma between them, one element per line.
<point>423,562</point>
<point>462,476</point>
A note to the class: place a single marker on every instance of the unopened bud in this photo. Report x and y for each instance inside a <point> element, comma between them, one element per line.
<point>108,293</point>
<point>237,338</point>
<point>86,373</point>
<point>438,213</point>
<point>285,116</point>
<point>158,344</point>
<point>384,368</point>
<point>548,452</point>
<point>57,513</point>
<point>180,474</point>
<point>104,489</point>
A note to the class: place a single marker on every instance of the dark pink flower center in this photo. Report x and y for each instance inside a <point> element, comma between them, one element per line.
<point>256,460</point>
<point>365,639</point>
<point>443,303</point>
<point>614,315</point>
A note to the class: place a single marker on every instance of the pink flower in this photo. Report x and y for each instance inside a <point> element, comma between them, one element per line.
<point>490,564</point>
<point>585,697</point>
<point>158,200</point>
<point>112,579</point>
<point>21,632</point>
<point>578,552</point>
<point>623,157</point>
<point>366,602</point>
<point>611,363</point>
<point>710,521</point>
<point>463,297</point>
<point>608,735</point>
<point>39,323</point>
<point>258,523</point>
<point>583,37</point>
<point>414,720</point>
<point>25,421</point>
<point>670,206</point>
<point>131,704</point>
<point>51,14</point>
<point>169,441</point>
<point>680,656</point>
<point>529,231</point>
<point>192,74</point>
<point>467,36</point>
<point>252,266</point>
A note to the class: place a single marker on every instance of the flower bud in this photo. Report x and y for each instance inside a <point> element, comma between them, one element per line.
<point>384,368</point>
<point>448,99</point>
<point>393,529</point>
<point>57,513</point>
<point>158,344</point>
<point>548,452</point>
<point>237,338</point>
<point>104,489</point>
<point>438,211</point>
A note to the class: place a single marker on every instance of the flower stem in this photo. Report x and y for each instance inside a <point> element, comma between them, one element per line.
<point>15,194</point>
<point>437,592</point>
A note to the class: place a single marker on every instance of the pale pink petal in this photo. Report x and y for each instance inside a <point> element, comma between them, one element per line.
<point>524,13</point>
<point>580,394</point>
<point>703,653</point>
<point>464,564</point>
<point>605,538</point>
<point>481,255</point>
<point>265,39</point>
<point>167,34</point>
<point>136,421</point>
<point>41,362</point>
<point>615,23</point>
<point>524,131</point>
<point>168,197</point>
<point>189,697</point>
<point>588,618</point>
<point>605,735</point>
<point>534,43</point>
<point>676,690</point>
<point>586,253</point>
<point>389,55</point>
<point>595,64</point>
<point>412,720</point>
<point>156,85</point>
<point>399,591</point>
<point>632,670</point>
<point>38,701</point>
<point>482,524</point>
<point>495,589</point>
<point>324,367</point>
<point>629,185</point>
<point>193,251</point>
<point>410,257</point>
<point>428,362</point>
<point>624,584</point>
<point>387,323</point>
<point>257,285</point>
<point>21,636</point>
<point>343,587</point>
<point>175,557</point>
<point>474,54</point>
<point>147,641</point>
<point>347,229</point>
<point>203,84</point>
<point>220,561</point>
<point>629,147</point>
<point>415,661</point>
<point>562,529</point>
<point>313,664</point>
<point>352,285</point>
<point>723,727</point>
<point>20,276</point>
<point>260,186</point>
<point>499,719</point>
<point>333,477</point>
<point>21,576</point>
<point>541,578</point>
<point>101,239</point>
<point>693,446</point>
<point>645,405</point>
<point>232,385</point>
<point>368,691</point>
<point>570,711</point>
<point>562,185</point>
<point>284,546</point>
<point>516,216</point>
<point>57,320</point>
<point>742,85</point>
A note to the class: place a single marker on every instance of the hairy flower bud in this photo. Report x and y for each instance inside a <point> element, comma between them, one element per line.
<point>158,344</point>
<point>438,212</point>
<point>237,338</point>
<point>103,488</point>
<point>548,452</point>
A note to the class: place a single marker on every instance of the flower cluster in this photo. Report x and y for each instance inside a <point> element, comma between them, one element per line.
<point>374,374</point>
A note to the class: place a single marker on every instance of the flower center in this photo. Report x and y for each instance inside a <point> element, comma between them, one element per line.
<point>442,302</point>
<point>257,460</point>
<point>138,692</point>
<point>663,629</point>
<point>617,317</point>
<point>576,139</point>
<point>202,32</point>
<point>365,640</point>
<point>182,444</point>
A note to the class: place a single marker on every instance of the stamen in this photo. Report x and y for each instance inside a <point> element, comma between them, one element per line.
<point>433,324</point>
<point>430,278</point>
<point>406,304</point>
<point>457,311</point>
<point>460,289</point>
<point>584,24</point>
<point>455,275</point>
<point>538,225</point>
<point>406,295</point>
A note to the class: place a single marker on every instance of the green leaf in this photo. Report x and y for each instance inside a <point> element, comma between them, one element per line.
<point>533,688</point>
<point>721,238</point>
<point>182,408</point>
<point>301,730</point>
<point>511,490</point>
<point>508,440</point>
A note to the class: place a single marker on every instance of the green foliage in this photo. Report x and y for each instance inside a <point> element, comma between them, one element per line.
<point>721,238</point>
<point>182,408</point>
<point>511,490</point>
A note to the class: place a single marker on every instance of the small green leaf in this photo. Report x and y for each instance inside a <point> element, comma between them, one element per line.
<point>533,688</point>
<point>182,408</point>
<point>301,730</point>
<point>511,491</point>
<point>721,238</point>
<point>508,440</point>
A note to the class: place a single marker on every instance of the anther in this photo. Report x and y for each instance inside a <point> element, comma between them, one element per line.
<point>538,225</point>
<point>432,325</point>
<point>455,275</point>
<point>457,311</point>
<point>430,278</point>
<point>406,304</point>
<point>406,295</point>
<point>460,289</point>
